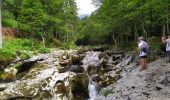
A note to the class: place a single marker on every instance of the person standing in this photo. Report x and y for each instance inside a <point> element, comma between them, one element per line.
<point>167,41</point>
<point>143,52</point>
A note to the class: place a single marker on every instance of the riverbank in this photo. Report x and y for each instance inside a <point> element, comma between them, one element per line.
<point>94,74</point>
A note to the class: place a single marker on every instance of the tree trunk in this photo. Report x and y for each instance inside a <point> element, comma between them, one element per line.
<point>145,34</point>
<point>163,31</point>
<point>32,38</point>
<point>151,19</point>
<point>167,21</point>
<point>43,40</point>
<point>67,37</point>
<point>0,25</point>
<point>114,39</point>
<point>136,34</point>
<point>167,27</point>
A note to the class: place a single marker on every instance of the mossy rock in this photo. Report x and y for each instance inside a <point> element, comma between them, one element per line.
<point>9,74</point>
<point>106,92</point>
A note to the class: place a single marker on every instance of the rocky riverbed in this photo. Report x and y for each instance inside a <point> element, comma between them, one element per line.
<point>83,75</point>
<point>151,84</point>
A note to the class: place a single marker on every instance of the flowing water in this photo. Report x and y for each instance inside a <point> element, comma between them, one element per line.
<point>92,88</point>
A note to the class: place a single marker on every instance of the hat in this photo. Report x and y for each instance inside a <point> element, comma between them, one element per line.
<point>141,38</point>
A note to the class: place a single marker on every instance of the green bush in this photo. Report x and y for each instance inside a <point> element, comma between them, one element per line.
<point>70,45</point>
<point>44,50</point>
<point>25,54</point>
<point>106,92</point>
<point>6,56</point>
<point>21,47</point>
<point>9,23</point>
<point>155,45</point>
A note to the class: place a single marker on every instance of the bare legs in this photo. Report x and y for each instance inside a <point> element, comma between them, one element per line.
<point>168,56</point>
<point>143,62</point>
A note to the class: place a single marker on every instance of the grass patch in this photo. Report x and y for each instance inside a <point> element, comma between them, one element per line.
<point>22,47</point>
<point>106,92</point>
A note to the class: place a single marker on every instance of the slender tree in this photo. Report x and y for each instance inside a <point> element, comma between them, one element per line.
<point>0,25</point>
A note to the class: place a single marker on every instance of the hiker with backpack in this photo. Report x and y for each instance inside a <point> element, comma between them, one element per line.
<point>143,48</point>
<point>167,41</point>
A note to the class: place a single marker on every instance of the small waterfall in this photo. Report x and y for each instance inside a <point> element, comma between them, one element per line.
<point>92,88</point>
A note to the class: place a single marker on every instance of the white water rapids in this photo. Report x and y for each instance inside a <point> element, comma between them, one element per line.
<point>92,88</point>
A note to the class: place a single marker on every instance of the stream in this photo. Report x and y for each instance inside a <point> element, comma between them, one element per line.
<point>61,75</point>
<point>92,88</point>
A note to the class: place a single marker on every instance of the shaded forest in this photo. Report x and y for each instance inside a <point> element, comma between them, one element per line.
<point>117,22</point>
<point>121,21</point>
<point>42,19</point>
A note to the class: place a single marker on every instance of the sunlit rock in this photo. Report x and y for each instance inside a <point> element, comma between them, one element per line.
<point>91,61</point>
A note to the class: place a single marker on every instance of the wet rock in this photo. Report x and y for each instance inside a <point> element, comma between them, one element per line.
<point>60,87</point>
<point>77,69</point>
<point>26,66</point>
<point>76,59</point>
<point>116,57</point>
<point>63,69</point>
<point>65,62</point>
<point>91,70</point>
<point>17,98</point>
<point>78,85</point>
<point>45,95</point>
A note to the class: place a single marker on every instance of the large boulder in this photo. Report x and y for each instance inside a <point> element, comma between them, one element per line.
<point>92,62</point>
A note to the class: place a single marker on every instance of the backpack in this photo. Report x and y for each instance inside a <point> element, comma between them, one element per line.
<point>145,50</point>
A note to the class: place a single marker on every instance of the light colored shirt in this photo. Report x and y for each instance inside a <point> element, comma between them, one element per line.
<point>141,45</point>
<point>167,44</point>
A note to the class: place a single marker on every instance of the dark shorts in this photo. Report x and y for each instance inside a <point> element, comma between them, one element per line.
<point>143,57</point>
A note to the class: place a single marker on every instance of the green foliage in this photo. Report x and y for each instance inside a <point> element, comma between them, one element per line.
<point>20,47</point>
<point>44,50</point>
<point>156,49</point>
<point>9,23</point>
<point>106,92</point>
<point>8,19</point>
<point>42,19</point>
<point>70,45</point>
<point>155,43</point>
<point>25,54</point>
<point>6,56</point>
<point>117,22</point>
<point>121,21</point>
